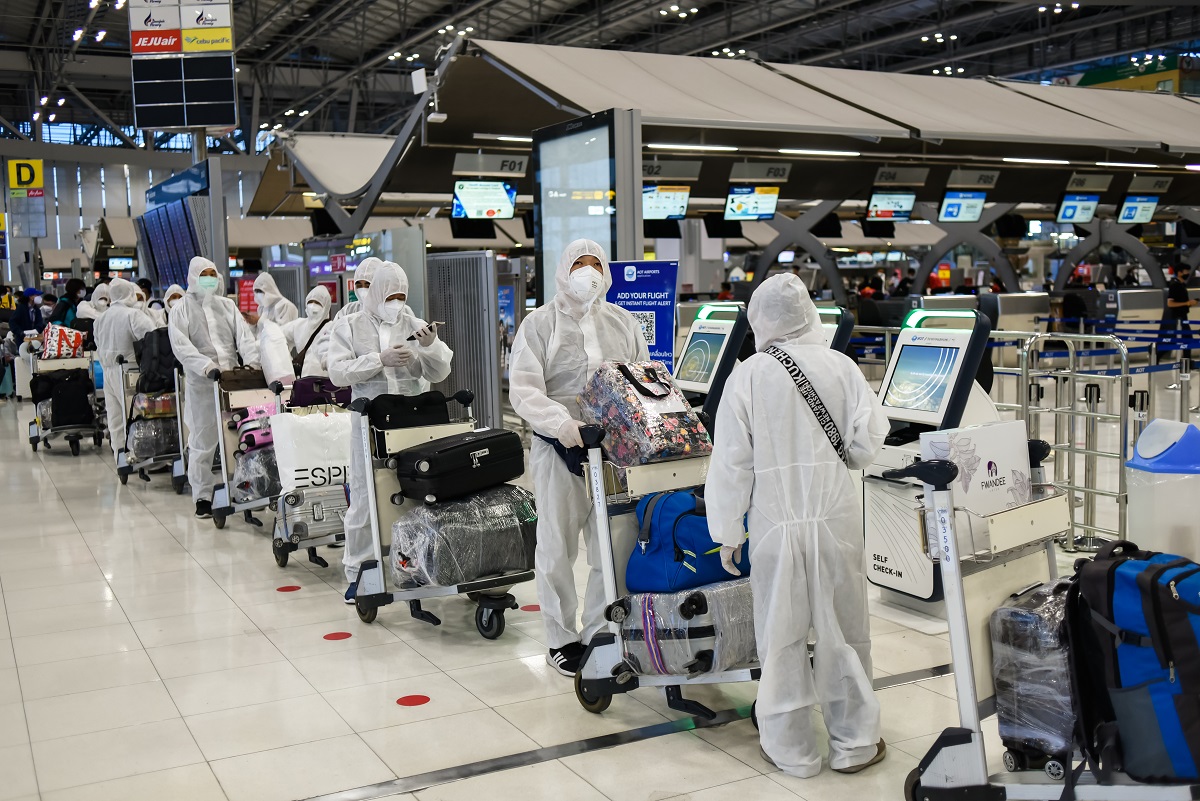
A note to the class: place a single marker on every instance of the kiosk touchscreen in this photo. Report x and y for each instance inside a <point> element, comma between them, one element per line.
<point>707,342</point>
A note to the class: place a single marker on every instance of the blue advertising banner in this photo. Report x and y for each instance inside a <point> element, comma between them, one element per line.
<point>507,295</point>
<point>646,289</point>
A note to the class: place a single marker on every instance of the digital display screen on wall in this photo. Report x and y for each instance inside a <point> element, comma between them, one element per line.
<point>664,202</point>
<point>894,206</point>
<point>1077,209</point>
<point>1138,209</point>
<point>751,202</point>
<point>575,190</point>
<point>484,200</point>
<point>962,207</point>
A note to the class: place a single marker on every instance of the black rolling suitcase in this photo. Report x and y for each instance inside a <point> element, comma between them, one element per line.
<point>457,466</point>
<point>69,393</point>
<point>1032,674</point>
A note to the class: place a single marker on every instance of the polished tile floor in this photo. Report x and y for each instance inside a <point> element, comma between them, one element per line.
<point>145,655</point>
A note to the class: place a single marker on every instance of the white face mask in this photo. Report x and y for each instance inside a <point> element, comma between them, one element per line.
<point>102,303</point>
<point>315,309</point>
<point>260,296</point>
<point>172,303</point>
<point>37,301</point>
<point>585,284</point>
<point>360,294</point>
<point>81,294</point>
<point>391,310</point>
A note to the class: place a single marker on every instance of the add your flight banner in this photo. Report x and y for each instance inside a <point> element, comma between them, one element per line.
<point>646,289</point>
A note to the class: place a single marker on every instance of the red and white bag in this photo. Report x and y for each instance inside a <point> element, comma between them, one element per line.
<point>60,342</point>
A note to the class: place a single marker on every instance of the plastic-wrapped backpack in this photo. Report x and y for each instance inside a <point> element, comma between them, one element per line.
<point>152,437</point>
<point>255,476</point>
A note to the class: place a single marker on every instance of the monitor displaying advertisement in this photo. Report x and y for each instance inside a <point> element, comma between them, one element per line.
<point>664,202</point>
<point>1077,209</point>
<point>894,206</point>
<point>920,381</point>
<point>484,200</point>
<point>1138,209</point>
<point>962,207</point>
<point>751,202</point>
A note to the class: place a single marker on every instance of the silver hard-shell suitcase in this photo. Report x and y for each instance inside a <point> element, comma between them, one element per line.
<point>313,512</point>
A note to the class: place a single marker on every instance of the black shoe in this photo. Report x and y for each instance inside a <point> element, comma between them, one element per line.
<point>566,659</point>
<point>203,510</point>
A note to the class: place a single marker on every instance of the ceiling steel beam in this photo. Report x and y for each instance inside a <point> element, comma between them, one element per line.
<point>309,28</point>
<point>100,115</point>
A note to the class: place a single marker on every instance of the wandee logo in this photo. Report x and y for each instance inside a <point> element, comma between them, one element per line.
<point>151,22</point>
<point>155,40</point>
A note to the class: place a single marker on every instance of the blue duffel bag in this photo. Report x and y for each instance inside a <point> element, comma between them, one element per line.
<point>674,550</point>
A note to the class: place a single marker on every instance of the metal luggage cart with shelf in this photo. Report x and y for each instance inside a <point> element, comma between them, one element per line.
<point>73,434</point>
<point>490,594</point>
<point>124,386</point>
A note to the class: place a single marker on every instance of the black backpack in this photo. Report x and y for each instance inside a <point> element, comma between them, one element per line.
<point>156,362</point>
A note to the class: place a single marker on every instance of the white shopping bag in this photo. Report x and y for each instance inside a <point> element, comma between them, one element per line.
<point>312,450</point>
<point>274,354</point>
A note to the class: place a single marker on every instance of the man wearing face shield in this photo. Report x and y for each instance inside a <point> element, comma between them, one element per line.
<point>272,305</point>
<point>207,333</point>
<point>116,331</point>
<point>310,334</point>
<point>774,460</point>
<point>364,273</point>
<point>557,349</point>
<point>369,352</point>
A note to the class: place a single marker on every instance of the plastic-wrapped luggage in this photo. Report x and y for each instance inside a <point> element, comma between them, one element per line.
<point>255,476</point>
<point>150,405</point>
<point>705,630</point>
<point>644,415</point>
<point>1031,668</point>
<point>45,415</point>
<point>153,437</point>
<point>488,534</point>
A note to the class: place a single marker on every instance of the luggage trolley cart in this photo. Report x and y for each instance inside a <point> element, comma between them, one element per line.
<point>124,387</point>
<point>605,670</point>
<point>956,765</point>
<point>490,594</point>
<point>73,434</point>
<point>230,402</point>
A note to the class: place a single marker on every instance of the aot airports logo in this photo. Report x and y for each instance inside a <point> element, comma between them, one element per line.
<point>198,41</point>
<point>156,42</point>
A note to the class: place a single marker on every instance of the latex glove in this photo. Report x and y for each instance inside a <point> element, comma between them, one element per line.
<point>426,336</point>
<point>398,356</point>
<point>731,555</point>
<point>568,434</point>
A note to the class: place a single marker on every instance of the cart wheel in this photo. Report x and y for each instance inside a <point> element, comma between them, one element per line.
<point>366,614</point>
<point>124,478</point>
<point>912,785</point>
<point>219,521</point>
<point>281,553</point>
<point>34,446</point>
<point>594,705</point>
<point>178,487</point>
<point>1013,761</point>
<point>74,447</point>
<point>754,714</point>
<point>97,440</point>
<point>490,622</point>
<point>1055,770</point>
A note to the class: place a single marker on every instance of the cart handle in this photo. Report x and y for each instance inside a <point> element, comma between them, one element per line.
<point>592,436</point>
<point>120,358</point>
<point>464,397</point>
<point>214,375</point>
<point>1039,449</point>
<point>360,405</point>
<point>938,472</point>
<point>277,387</point>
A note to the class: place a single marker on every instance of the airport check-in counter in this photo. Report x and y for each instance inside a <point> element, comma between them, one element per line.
<point>1136,312</point>
<point>1019,311</point>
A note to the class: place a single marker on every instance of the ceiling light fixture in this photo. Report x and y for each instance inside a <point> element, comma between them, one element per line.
<point>788,151</point>
<point>954,37</point>
<point>61,101</point>
<point>924,38</point>
<point>1192,167</point>
<point>503,138</point>
<point>37,115</point>
<point>78,34</point>
<point>706,148</point>
<point>50,118</point>
<point>1019,160</point>
<point>289,112</point>
<point>961,70</point>
<point>1129,164</point>
<point>937,72</point>
<point>277,126</point>
<point>119,5</point>
<point>44,100</point>
<point>264,126</point>
<point>304,113</point>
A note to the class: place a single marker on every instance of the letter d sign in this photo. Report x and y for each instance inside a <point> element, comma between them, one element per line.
<point>25,174</point>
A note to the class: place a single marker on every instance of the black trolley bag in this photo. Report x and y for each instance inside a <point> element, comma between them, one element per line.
<point>69,393</point>
<point>460,465</point>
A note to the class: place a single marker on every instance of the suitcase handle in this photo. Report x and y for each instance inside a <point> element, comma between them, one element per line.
<point>1120,547</point>
<point>643,387</point>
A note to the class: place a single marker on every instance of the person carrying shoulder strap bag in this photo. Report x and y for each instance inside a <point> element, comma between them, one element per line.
<point>309,335</point>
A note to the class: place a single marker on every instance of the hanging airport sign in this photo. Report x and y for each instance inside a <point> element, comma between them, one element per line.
<point>207,40</point>
<point>973,179</point>
<point>490,164</point>
<point>208,16</point>
<point>758,172</point>
<point>157,18</point>
<point>901,176</point>
<point>154,3</point>
<point>3,238</point>
<point>1149,183</point>
<point>686,171</point>
<point>1090,181</point>
<point>26,174</point>
<point>149,42</point>
<point>646,289</point>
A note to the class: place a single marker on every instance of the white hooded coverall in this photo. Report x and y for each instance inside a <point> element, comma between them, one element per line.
<point>353,361</point>
<point>115,332</point>
<point>772,459</point>
<point>93,308</point>
<point>207,333</point>
<point>365,271</point>
<point>273,306</point>
<point>299,331</point>
<point>557,349</point>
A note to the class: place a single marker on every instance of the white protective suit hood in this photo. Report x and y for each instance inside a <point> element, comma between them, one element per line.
<point>123,293</point>
<point>197,265</point>
<point>320,295</point>
<point>172,290</point>
<point>781,310</point>
<point>388,280</point>
<point>564,298</point>
<point>275,307</point>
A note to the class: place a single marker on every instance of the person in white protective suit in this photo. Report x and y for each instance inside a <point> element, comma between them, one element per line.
<point>310,334</point>
<point>369,352</point>
<point>772,459</point>
<point>272,305</point>
<point>207,334</point>
<point>557,349</point>
<point>115,332</point>
<point>92,308</point>
<point>171,297</point>
<point>364,273</point>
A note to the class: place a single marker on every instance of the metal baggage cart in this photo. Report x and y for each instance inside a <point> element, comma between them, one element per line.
<point>42,435</point>
<point>385,504</point>
<point>615,492</point>
<point>124,387</point>
<point>228,403</point>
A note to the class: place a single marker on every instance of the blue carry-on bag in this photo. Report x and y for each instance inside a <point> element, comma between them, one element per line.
<point>1135,634</point>
<point>674,550</point>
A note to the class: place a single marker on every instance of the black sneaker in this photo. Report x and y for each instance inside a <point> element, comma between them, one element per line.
<point>203,510</point>
<point>566,659</point>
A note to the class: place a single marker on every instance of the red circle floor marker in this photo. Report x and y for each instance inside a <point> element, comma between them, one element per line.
<point>289,588</point>
<point>413,700</point>
<point>338,635</point>
<point>531,608</point>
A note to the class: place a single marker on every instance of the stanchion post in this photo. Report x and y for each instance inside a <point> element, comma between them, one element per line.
<point>1185,389</point>
<point>1139,402</point>
<point>1091,398</point>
